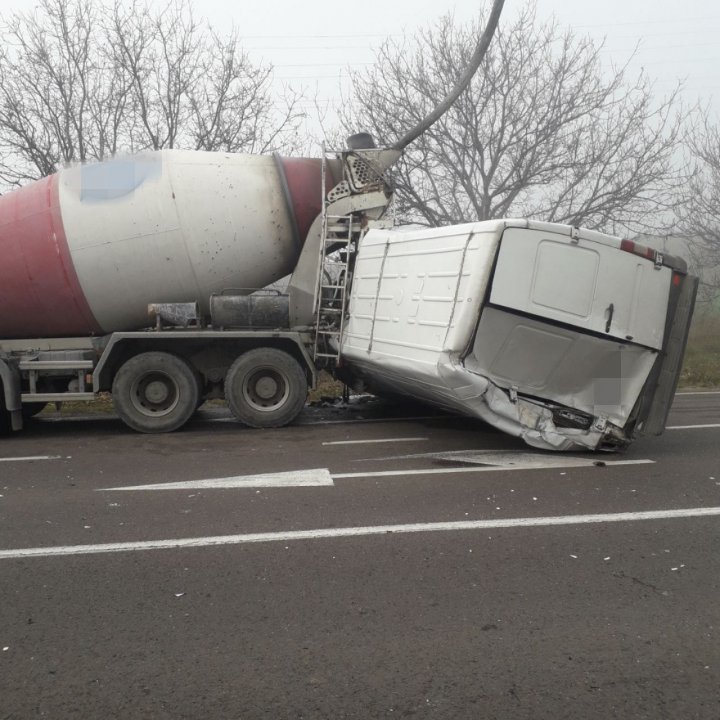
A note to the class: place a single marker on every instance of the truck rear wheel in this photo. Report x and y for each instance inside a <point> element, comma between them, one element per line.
<point>265,388</point>
<point>155,392</point>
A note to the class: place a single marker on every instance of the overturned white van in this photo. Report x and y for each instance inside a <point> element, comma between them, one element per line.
<point>566,337</point>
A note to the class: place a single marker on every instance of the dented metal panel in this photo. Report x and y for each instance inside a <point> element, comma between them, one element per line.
<point>581,371</point>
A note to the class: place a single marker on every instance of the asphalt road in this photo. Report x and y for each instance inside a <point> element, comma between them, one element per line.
<point>427,567</point>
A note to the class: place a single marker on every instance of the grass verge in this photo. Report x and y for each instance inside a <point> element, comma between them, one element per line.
<point>701,367</point>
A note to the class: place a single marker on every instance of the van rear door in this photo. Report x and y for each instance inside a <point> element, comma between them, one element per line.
<point>583,283</point>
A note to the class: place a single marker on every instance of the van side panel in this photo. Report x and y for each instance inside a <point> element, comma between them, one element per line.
<point>418,294</point>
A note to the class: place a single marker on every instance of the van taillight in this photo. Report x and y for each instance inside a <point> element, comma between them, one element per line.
<point>638,249</point>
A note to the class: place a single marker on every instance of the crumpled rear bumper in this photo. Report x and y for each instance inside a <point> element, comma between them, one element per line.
<point>530,420</point>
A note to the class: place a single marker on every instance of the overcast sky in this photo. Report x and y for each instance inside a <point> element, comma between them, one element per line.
<point>313,44</point>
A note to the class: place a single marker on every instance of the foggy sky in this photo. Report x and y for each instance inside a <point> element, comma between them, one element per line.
<point>312,45</point>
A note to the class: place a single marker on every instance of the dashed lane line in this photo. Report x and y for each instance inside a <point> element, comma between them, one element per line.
<point>351,532</point>
<point>378,440</point>
<point>31,457</point>
<point>692,427</point>
<point>698,392</point>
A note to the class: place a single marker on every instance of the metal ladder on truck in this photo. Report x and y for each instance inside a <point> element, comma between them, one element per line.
<point>337,246</point>
<point>340,234</point>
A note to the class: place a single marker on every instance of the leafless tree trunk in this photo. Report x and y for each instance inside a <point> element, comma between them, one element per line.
<point>542,132</point>
<point>85,79</point>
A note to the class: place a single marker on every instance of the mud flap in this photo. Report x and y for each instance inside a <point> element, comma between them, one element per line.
<point>10,404</point>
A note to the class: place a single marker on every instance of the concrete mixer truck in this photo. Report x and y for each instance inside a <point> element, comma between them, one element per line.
<point>176,240</point>
<point>139,276</point>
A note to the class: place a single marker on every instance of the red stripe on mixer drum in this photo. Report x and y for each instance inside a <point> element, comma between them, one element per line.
<point>303,179</point>
<point>40,295</point>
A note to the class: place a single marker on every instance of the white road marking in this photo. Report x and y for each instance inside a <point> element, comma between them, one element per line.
<point>692,427</point>
<point>295,478</point>
<point>699,392</point>
<point>369,442</point>
<point>323,477</point>
<point>31,457</point>
<point>499,457</point>
<point>579,462</point>
<point>327,533</point>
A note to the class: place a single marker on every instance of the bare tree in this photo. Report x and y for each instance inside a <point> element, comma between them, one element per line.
<point>53,96</point>
<point>543,131</point>
<point>84,79</point>
<point>699,208</point>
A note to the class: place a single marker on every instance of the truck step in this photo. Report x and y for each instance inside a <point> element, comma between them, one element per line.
<point>56,365</point>
<point>57,396</point>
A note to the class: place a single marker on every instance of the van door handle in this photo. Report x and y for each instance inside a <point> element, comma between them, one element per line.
<point>610,310</point>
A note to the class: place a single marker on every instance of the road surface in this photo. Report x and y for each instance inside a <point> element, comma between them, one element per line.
<point>369,562</point>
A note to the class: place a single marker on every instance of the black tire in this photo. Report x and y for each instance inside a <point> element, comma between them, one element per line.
<point>155,392</point>
<point>266,388</point>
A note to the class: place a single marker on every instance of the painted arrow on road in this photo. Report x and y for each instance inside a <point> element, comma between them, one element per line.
<point>323,477</point>
<point>294,478</point>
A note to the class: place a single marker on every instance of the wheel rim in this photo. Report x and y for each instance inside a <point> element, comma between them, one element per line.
<point>266,389</point>
<point>154,394</point>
